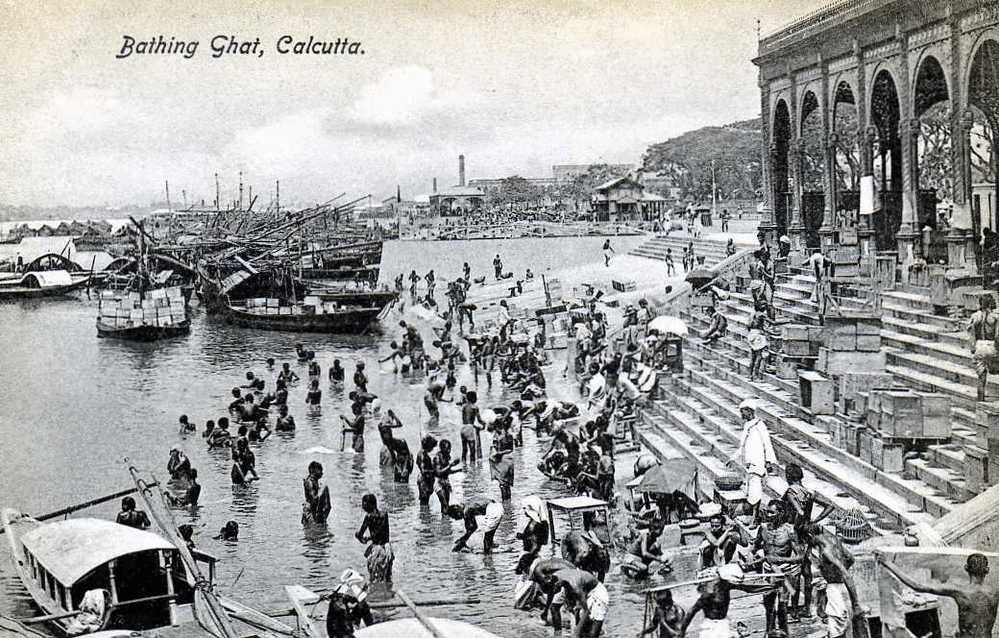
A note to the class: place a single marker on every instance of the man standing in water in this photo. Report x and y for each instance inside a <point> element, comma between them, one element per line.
<point>583,590</point>
<point>498,266</point>
<point>131,516</point>
<point>977,602</point>
<point>379,552</point>
<point>317,506</point>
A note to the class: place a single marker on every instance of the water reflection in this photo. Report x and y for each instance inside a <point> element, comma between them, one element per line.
<point>75,406</point>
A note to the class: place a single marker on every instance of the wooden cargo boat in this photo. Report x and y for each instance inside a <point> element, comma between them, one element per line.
<point>144,315</point>
<point>342,312</point>
<point>139,575</point>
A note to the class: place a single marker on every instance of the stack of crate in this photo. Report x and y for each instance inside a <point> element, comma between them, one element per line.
<point>159,307</point>
<point>897,418</point>
<point>850,343</point>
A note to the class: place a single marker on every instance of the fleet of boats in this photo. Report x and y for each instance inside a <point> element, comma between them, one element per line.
<point>301,271</point>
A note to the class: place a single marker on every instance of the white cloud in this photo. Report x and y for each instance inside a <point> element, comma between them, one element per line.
<point>403,96</point>
<point>80,110</point>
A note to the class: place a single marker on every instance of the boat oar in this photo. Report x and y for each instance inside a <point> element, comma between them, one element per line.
<point>423,620</point>
<point>390,604</point>
<point>84,505</point>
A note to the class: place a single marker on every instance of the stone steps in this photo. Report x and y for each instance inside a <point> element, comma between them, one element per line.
<point>888,505</point>
<point>794,422</point>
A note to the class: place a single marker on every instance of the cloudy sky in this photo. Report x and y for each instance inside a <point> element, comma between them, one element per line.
<point>514,85</point>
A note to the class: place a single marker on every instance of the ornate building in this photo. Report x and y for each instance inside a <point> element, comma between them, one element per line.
<point>848,97</point>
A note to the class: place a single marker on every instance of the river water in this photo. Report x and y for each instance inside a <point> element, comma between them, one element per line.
<point>77,410</point>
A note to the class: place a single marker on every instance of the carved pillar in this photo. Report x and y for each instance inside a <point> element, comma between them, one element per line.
<point>961,238</point>
<point>767,228</point>
<point>827,233</point>
<point>796,228</point>
<point>865,225</point>
<point>908,235</point>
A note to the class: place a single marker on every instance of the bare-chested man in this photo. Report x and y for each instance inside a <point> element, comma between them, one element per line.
<point>977,602</point>
<point>776,543</point>
<point>589,596</point>
<point>842,605</point>
<point>714,599</point>
<point>542,572</point>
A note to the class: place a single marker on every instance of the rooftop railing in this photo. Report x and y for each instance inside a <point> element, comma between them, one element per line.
<point>831,13</point>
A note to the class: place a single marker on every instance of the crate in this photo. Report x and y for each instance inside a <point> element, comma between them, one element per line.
<point>816,392</point>
<point>868,343</point>
<point>901,414</point>
<point>272,303</point>
<point>936,415</point>
<point>976,469</point>
<point>887,457</point>
<point>841,342</point>
<point>272,310</point>
<point>284,310</point>
<point>868,326</point>
<point>796,348</point>
<point>794,332</point>
<point>626,285</point>
<point>851,438</point>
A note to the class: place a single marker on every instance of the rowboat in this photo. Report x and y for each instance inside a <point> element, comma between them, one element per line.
<point>48,283</point>
<point>90,575</point>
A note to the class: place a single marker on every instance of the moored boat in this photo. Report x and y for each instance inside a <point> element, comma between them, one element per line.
<point>47,283</point>
<point>143,315</point>
<point>89,575</point>
<point>343,312</point>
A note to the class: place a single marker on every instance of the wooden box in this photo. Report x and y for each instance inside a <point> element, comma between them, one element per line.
<point>868,326</point>
<point>864,438</point>
<point>887,457</point>
<point>794,332</point>
<point>797,348</point>
<point>987,415</point>
<point>901,414</point>
<point>841,342</point>
<point>976,469</point>
<point>936,416</point>
<point>868,343</point>
<point>851,438</point>
<point>837,434</point>
<point>816,392</point>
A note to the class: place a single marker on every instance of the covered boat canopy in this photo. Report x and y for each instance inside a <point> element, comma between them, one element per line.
<point>47,279</point>
<point>71,549</point>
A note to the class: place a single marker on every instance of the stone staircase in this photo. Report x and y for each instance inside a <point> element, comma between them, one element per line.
<point>713,250</point>
<point>695,413</point>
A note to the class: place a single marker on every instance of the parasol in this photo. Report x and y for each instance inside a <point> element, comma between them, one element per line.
<point>673,474</point>
<point>666,324</point>
<point>700,277</point>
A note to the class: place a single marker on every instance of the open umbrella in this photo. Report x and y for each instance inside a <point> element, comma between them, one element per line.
<point>672,325</point>
<point>700,277</point>
<point>673,474</point>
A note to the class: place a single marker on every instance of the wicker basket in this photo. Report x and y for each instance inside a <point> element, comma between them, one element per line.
<point>728,482</point>
<point>853,527</point>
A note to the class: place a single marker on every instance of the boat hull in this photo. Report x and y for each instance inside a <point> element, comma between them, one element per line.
<point>14,293</point>
<point>345,322</point>
<point>16,525</point>
<point>143,333</point>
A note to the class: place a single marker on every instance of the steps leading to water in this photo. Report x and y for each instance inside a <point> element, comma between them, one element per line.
<point>696,413</point>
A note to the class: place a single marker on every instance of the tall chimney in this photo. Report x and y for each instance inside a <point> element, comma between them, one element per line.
<point>435,184</point>
<point>461,170</point>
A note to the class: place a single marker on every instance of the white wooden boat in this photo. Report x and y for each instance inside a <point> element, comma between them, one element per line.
<point>140,574</point>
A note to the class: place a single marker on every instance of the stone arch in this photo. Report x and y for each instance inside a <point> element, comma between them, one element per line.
<point>931,77</point>
<point>981,40</point>
<point>809,91</point>
<point>780,139</point>
<point>884,116</point>
<point>981,100</point>
<point>845,124</point>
